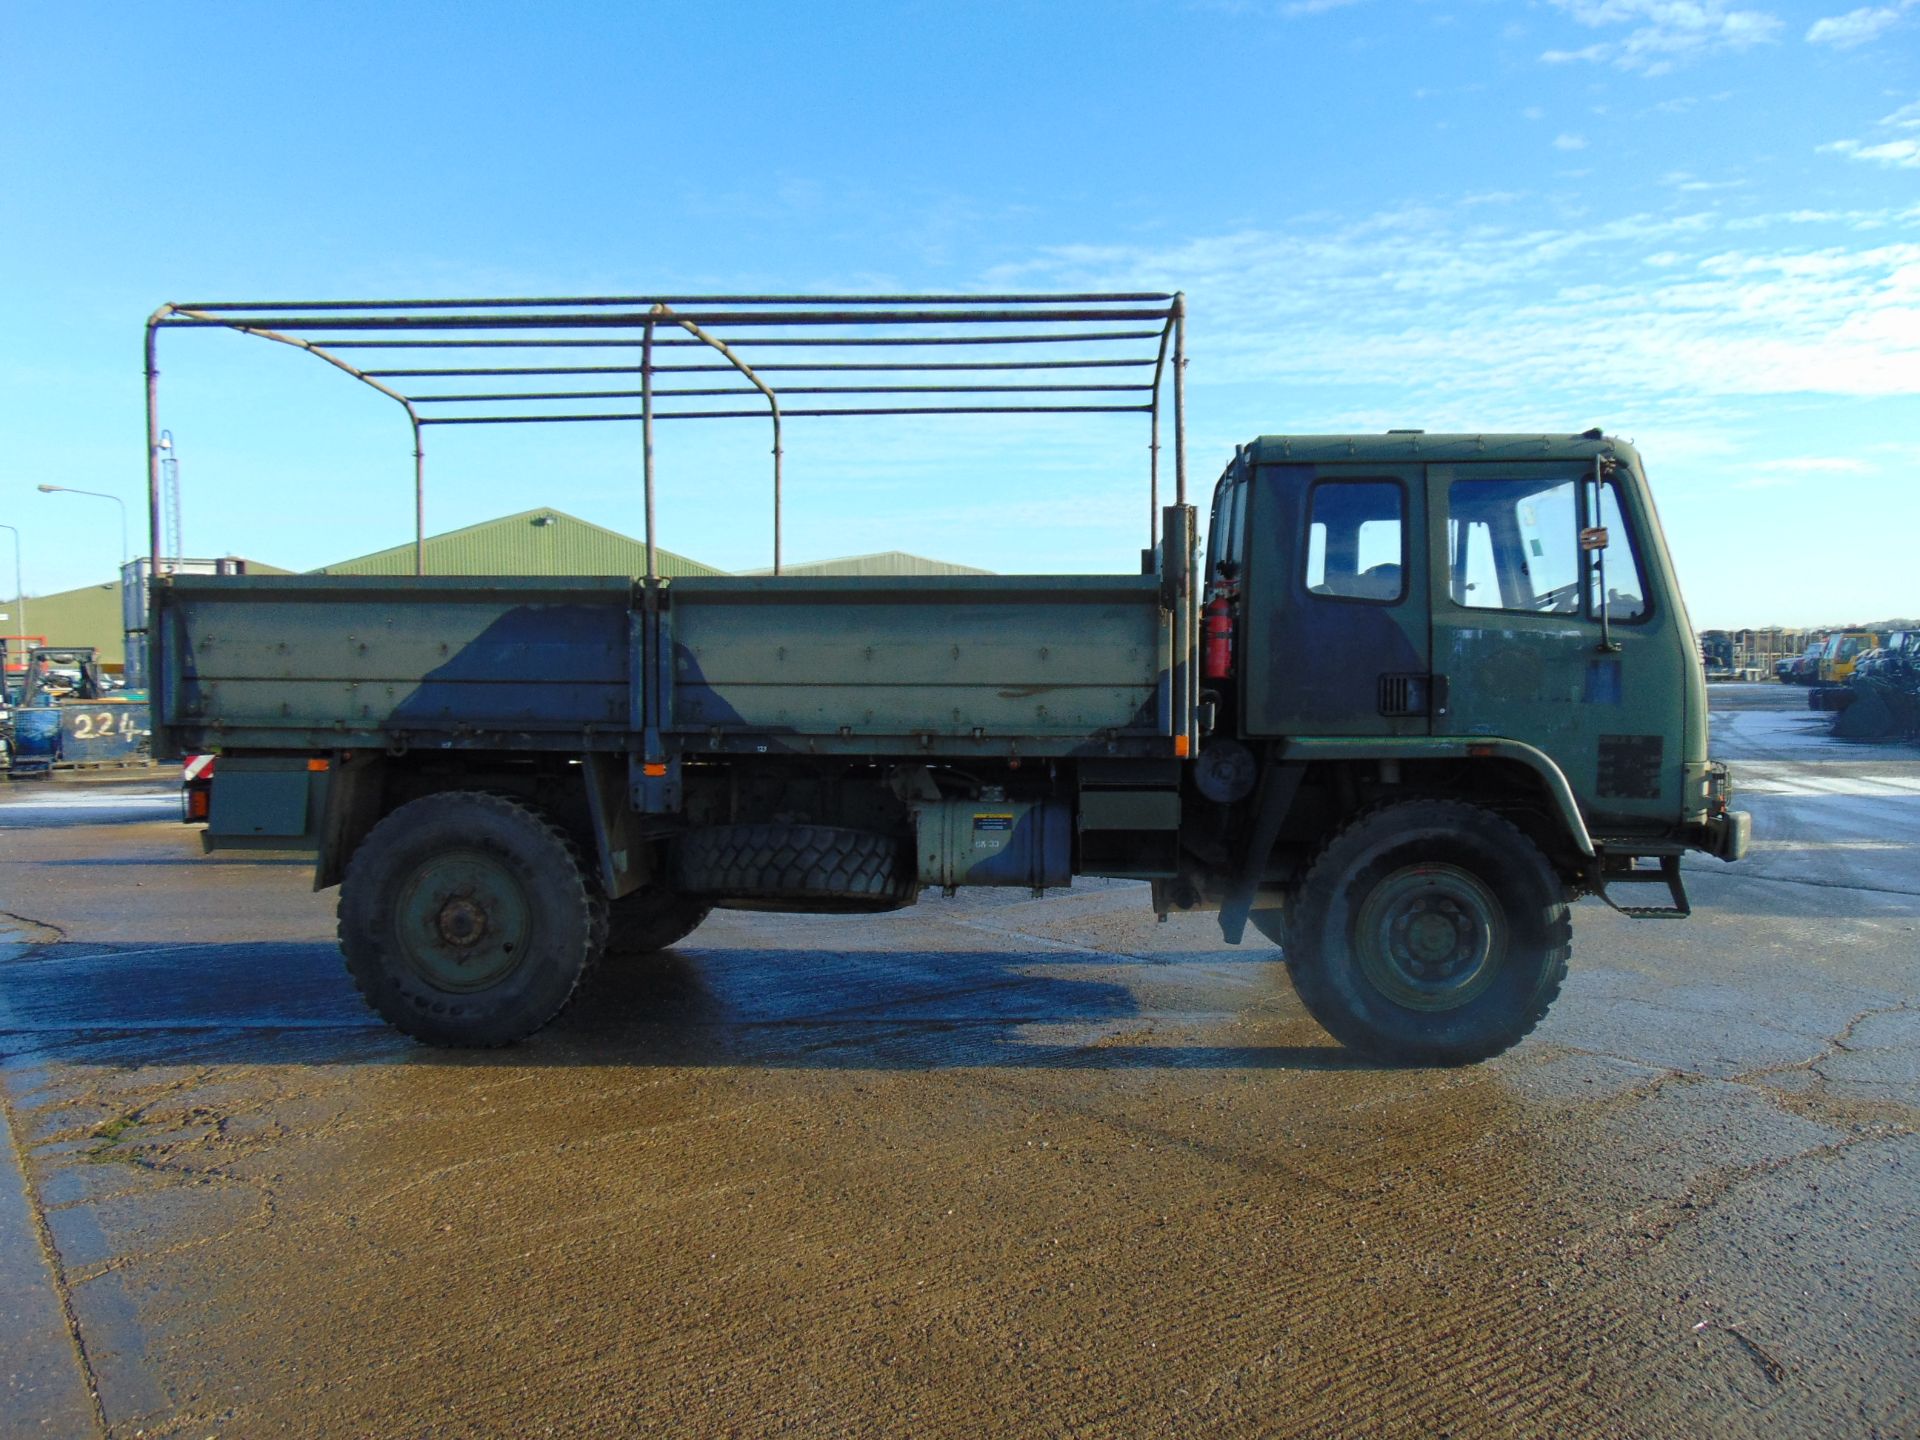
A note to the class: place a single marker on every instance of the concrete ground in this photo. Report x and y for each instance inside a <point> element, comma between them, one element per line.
<point>990,1166</point>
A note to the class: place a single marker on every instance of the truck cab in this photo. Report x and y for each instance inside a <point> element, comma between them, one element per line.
<point>1432,597</point>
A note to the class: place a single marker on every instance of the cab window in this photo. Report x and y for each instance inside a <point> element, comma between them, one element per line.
<point>1514,545</point>
<point>1227,528</point>
<point>1626,596</point>
<point>1356,540</point>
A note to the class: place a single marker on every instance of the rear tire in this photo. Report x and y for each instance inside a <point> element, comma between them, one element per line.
<point>1429,932</point>
<point>466,919</point>
<point>652,918</point>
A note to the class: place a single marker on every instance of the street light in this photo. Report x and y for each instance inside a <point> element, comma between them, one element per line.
<point>19,585</point>
<point>98,495</point>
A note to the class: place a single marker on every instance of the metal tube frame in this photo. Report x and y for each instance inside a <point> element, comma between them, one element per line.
<point>322,327</point>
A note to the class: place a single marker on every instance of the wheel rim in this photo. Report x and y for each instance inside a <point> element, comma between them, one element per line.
<point>463,921</point>
<point>1431,937</point>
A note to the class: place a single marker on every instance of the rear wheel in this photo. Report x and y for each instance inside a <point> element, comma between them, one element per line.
<point>466,919</point>
<point>1430,932</point>
<point>652,918</point>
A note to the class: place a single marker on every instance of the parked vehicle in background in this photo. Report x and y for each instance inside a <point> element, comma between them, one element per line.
<point>1881,699</point>
<point>1716,653</point>
<point>1445,684</point>
<point>67,713</point>
<point>1897,654</point>
<point>1842,650</point>
<point>6,713</point>
<point>1805,670</point>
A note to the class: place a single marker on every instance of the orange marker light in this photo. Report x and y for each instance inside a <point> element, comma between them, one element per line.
<point>1181,746</point>
<point>653,770</point>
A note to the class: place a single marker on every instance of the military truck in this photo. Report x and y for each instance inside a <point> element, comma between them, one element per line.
<point>1412,696</point>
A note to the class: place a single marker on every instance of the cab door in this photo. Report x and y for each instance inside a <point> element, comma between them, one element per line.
<point>1336,610</point>
<point>1517,632</point>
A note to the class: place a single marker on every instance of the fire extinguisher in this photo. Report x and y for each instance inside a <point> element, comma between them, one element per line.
<point>1216,627</point>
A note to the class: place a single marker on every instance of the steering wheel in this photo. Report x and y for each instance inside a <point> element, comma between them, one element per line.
<point>1564,600</point>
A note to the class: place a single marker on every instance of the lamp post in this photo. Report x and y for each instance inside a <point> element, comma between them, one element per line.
<point>98,495</point>
<point>19,585</point>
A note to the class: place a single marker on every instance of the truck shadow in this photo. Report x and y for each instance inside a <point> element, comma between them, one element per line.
<point>287,1003</point>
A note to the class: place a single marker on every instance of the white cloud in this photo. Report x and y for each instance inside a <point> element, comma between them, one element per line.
<point>1569,142</point>
<point>1465,316</point>
<point>1778,471</point>
<point>1295,9</point>
<point>1664,33</point>
<point>1821,465</point>
<point>1904,154</point>
<point>1287,9</point>
<point>1856,27</point>
<point>1902,151</point>
<point>1690,184</point>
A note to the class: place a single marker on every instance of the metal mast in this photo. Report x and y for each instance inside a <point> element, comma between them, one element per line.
<point>170,494</point>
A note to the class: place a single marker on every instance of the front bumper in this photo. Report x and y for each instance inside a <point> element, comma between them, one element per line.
<point>1727,835</point>
<point>1723,831</point>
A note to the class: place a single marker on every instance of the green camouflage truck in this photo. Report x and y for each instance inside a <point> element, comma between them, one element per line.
<point>1411,696</point>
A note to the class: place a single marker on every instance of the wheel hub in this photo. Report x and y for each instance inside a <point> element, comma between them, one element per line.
<point>1431,937</point>
<point>464,921</point>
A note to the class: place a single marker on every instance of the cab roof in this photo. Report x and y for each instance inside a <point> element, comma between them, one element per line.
<point>1405,446</point>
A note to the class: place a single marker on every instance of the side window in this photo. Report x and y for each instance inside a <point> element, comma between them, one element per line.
<point>1356,540</point>
<point>1227,528</point>
<point>1514,545</point>
<point>1626,595</point>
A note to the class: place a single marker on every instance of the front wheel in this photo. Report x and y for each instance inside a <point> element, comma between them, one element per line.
<point>1429,932</point>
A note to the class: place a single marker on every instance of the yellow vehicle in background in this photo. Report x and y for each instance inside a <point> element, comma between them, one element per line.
<point>1843,652</point>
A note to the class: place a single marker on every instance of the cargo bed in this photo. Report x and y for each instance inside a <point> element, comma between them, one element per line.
<point>1041,665</point>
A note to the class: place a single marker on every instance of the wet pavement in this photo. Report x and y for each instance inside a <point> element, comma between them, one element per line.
<point>990,1166</point>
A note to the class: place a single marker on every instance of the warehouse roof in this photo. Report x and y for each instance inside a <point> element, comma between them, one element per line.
<point>884,562</point>
<point>533,542</point>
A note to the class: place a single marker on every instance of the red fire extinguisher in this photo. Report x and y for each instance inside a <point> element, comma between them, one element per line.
<point>1216,629</point>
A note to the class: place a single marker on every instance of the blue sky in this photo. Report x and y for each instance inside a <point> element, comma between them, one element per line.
<point>1696,224</point>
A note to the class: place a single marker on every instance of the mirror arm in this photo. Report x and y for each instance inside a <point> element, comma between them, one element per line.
<point>1607,647</point>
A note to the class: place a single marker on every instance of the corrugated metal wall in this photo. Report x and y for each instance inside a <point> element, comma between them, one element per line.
<point>534,542</point>
<point>90,615</point>
<point>87,616</point>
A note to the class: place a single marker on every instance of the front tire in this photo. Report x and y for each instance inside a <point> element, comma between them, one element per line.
<point>466,919</point>
<point>1429,932</point>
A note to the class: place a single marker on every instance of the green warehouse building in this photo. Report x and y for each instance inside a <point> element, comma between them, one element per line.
<point>533,542</point>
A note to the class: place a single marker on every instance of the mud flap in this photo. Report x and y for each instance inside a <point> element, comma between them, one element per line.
<point>1279,783</point>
